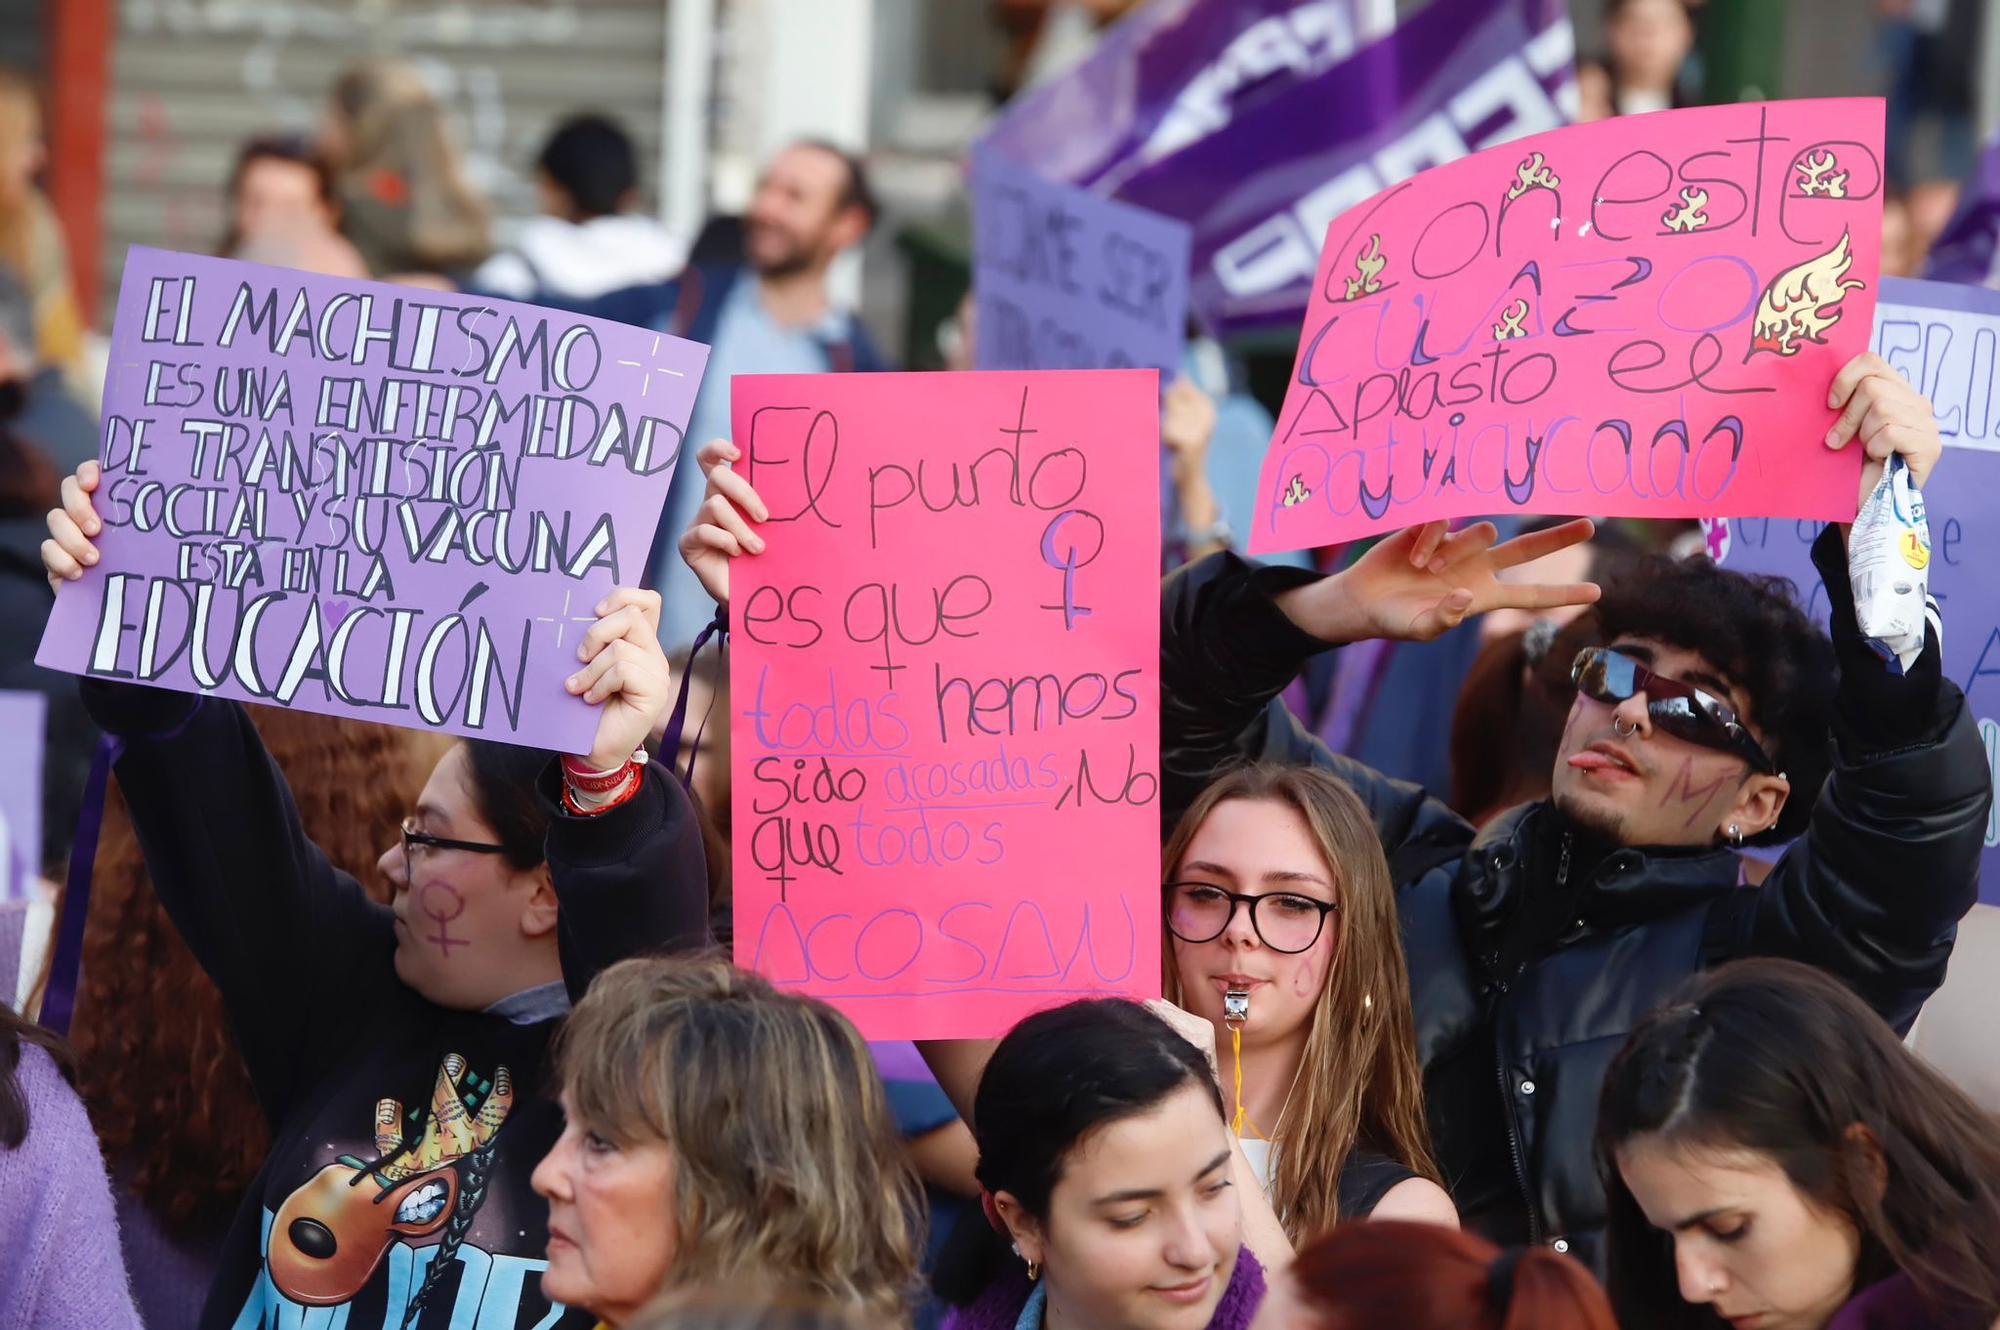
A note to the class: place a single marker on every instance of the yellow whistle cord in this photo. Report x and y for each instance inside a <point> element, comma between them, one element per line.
<point>1242,1118</point>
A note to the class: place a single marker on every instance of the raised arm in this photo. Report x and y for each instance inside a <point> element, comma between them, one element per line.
<point>1234,635</point>
<point>1890,860</point>
<point>633,878</point>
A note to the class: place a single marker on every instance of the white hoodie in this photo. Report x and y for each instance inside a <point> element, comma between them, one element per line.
<point>581,260</point>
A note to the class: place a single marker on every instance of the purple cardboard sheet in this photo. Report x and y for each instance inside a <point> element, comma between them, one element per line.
<point>367,500</point>
<point>1063,279</point>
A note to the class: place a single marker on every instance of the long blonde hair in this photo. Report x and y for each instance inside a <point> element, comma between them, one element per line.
<point>789,1171</point>
<point>396,130</point>
<point>1360,1080</point>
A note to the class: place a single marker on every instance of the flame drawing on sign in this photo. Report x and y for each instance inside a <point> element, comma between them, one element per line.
<point>1689,215</point>
<point>1801,303</point>
<point>1369,264</point>
<point>1510,321</point>
<point>1817,176</point>
<point>1296,493</point>
<point>1532,174</point>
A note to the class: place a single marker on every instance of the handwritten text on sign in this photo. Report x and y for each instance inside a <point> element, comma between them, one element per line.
<point>1942,338</point>
<point>1638,317</point>
<point>368,500</point>
<point>945,675</point>
<point>1063,279</point>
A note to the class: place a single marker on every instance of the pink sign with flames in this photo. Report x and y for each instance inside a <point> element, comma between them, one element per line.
<point>1639,317</point>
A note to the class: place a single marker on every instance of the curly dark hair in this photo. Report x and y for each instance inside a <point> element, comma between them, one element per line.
<point>1753,631</point>
<point>171,1099</point>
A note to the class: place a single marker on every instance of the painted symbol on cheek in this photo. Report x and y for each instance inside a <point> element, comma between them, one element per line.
<point>428,896</point>
<point>1684,793</point>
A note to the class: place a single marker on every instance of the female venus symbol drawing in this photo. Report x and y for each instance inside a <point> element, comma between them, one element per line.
<point>1063,542</point>
<point>431,896</point>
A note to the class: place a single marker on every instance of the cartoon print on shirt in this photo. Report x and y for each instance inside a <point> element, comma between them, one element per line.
<point>331,1234</point>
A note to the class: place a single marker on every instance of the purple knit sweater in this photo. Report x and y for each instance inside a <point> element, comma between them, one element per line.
<point>999,1307</point>
<point>60,1267</point>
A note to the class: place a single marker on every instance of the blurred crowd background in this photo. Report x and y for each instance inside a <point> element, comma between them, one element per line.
<point>124,120</point>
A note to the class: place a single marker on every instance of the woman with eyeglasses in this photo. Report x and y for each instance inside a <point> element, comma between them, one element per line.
<point>1281,934</point>
<point>1281,943</point>
<point>399,1052</point>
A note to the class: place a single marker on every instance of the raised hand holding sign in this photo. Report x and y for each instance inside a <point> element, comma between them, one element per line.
<point>1638,317</point>
<point>945,672</point>
<point>364,500</point>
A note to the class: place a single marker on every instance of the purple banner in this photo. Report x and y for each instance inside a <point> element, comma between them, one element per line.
<point>1942,339</point>
<point>368,500</point>
<point>1063,279</point>
<point>1259,122</point>
<point>23,728</point>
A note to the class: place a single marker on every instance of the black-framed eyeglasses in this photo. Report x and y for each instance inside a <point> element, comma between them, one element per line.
<point>413,838</point>
<point>1679,709</point>
<point>1284,921</point>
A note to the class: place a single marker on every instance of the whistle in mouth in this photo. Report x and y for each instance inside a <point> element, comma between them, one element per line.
<point>1235,1006</point>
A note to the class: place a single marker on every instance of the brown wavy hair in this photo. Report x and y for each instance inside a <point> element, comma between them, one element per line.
<point>171,1098</point>
<point>789,1172</point>
<point>1429,1277</point>
<point>1360,1081</point>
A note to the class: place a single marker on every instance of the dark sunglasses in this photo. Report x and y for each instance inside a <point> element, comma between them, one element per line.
<point>1679,709</point>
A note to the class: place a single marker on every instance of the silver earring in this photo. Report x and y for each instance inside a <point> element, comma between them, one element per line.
<point>1736,835</point>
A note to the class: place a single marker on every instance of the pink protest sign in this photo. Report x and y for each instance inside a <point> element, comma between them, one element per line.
<point>368,500</point>
<point>945,680</point>
<point>1639,317</point>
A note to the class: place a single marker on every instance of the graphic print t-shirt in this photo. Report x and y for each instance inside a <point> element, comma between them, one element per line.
<point>402,1197</point>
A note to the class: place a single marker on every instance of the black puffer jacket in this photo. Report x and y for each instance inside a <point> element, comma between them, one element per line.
<point>1533,953</point>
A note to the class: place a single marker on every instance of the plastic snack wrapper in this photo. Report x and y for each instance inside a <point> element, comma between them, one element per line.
<point>1888,565</point>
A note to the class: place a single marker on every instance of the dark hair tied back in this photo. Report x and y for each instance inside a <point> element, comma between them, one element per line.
<point>1057,1077</point>
<point>503,789</point>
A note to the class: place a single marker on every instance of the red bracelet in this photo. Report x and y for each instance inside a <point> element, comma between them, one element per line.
<point>592,781</point>
<point>634,780</point>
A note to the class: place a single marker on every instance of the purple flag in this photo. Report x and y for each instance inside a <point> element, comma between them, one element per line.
<point>1942,338</point>
<point>368,500</point>
<point>22,730</point>
<point>1259,121</point>
<point>1064,279</point>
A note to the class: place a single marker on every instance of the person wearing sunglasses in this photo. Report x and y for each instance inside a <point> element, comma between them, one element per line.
<point>400,1052</point>
<point>1715,716</point>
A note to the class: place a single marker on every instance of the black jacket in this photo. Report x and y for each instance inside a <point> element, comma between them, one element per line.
<point>1533,953</point>
<point>403,1134</point>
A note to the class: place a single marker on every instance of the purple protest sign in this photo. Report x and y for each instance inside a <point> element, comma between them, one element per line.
<point>1943,339</point>
<point>23,726</point>
<point>1063,279</point>
<point>368,500</point>
<point>1259,121</point>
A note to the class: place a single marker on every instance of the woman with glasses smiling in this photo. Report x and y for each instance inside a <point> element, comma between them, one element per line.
<point>1281,933</point>
<point>400,1052</point>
